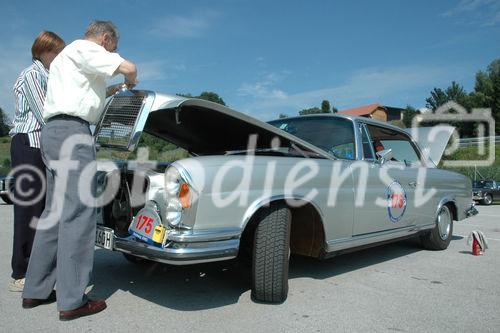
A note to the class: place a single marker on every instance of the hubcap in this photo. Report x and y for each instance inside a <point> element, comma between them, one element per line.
<point>444,223</point>
<point>488,199</point>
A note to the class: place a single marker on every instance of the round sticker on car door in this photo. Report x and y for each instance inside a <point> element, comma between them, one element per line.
<point>396,201</point>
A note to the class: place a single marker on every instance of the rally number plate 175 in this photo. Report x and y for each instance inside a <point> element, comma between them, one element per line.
<point>144,223</point>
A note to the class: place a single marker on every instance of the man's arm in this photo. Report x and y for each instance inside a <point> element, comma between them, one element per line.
<point>128,70</point>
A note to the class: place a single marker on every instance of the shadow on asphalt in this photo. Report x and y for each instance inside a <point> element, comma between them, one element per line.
<point>212,285</point>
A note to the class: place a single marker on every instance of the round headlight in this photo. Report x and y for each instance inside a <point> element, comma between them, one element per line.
<point>172,181</point>
<point>174,211</point>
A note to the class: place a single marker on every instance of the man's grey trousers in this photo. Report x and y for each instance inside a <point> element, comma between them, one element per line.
<point>63,249</point>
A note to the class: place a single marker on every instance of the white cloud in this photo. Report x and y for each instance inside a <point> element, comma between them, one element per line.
<point>482,12</point>
<point>494,20</point>
<point>466,6</point>
<point>155,70</point>
<point>364,86</point>
<point>264,87</point>
<point>192,26</point>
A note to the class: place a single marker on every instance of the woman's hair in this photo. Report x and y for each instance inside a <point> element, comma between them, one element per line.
<point>46,41</point>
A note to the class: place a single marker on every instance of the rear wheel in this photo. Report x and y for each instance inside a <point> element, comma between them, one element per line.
<point>440,237</point>
<point>271,255</point>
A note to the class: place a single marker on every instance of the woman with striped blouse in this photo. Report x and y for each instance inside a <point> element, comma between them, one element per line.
<point>29,197</point>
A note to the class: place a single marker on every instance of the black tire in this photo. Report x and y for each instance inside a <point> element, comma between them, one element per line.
<point>136,260</point>
<point>271,255</point>
<point>487,200</point>
<point>433,240</point>
<point>6,199</point>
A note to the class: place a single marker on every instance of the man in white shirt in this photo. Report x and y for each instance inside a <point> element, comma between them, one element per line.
<point>63,250</point>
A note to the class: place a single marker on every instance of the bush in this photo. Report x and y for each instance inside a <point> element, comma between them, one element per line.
<point>470,153</point>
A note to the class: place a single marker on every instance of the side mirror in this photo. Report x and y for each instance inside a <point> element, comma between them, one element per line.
<point>384,155</point>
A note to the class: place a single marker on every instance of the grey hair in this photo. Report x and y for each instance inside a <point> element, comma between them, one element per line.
<point>96,28</point>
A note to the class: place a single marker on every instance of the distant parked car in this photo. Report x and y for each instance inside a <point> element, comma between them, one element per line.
<point>5,184</point>
<point>486,191</point>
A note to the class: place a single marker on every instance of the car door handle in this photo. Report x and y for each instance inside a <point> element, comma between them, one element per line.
<point>412,184</point>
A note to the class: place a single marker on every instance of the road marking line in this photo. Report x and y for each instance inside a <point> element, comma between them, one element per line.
<point>495,239</point>
<point>473,225</point>
<point>479,215</point>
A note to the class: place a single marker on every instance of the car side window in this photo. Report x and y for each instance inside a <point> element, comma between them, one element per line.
<point>402,148</point>
<point>367,146</point>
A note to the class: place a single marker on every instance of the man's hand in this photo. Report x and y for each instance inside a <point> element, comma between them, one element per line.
<point>113,89</point>
<point>130,85</point>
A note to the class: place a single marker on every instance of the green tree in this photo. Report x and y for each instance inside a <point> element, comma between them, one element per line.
<point>206,95</point>
<point>212,97</point>
<point>438,98</point>
<point>487,91</point>
<point>455,92</point>
<point>313,110</point>
<point>408,114</point>
<point>325,106</point>
<point>282,115</point>
<point>6,163</point>
<point>4,123</point>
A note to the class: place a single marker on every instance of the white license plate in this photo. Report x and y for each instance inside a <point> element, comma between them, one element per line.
<point>104,237</point>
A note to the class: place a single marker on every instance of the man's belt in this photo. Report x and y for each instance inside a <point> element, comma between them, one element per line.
<point>68,117</point>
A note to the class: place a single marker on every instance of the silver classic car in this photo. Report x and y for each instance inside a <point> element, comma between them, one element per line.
<point>314,186</point>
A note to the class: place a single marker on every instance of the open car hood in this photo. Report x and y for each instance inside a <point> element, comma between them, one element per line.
<point>432,140</point>
<point>199,126</point>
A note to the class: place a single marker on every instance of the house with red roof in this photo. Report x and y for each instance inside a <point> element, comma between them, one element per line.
<point>376,111</point>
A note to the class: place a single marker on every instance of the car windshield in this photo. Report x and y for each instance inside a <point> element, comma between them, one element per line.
<point>483,184</point>
<point>333,135</point>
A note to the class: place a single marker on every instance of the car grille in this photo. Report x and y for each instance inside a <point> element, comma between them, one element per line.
<point>117,126</point>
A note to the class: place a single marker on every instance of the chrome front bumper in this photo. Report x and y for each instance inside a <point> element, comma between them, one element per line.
<point>184,249</point>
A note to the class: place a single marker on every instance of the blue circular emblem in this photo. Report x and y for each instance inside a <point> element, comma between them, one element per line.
<point>396,201</point>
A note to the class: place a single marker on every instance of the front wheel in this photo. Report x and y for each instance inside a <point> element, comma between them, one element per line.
<point>271,255</point>
<point>487,200</point>
<point>440,237</point>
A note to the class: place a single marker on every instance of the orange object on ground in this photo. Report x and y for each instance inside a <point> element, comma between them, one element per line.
<point>476,249</point>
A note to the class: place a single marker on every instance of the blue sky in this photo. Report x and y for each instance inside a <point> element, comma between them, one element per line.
<point>269,57</point>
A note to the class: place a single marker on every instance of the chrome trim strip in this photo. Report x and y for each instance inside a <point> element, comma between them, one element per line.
<point>255,206</point>
<point>180,254</point>
<point>444,201</point>
<point>141,121</point>
<point>208,235</point>
<point>355,241</point>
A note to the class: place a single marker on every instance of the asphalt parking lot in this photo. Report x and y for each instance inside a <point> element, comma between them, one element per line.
<point>396,287</point>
